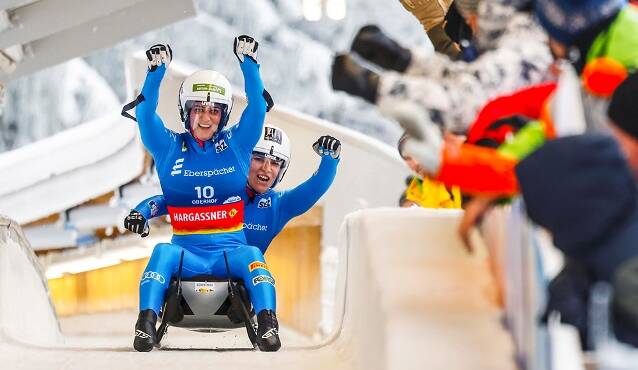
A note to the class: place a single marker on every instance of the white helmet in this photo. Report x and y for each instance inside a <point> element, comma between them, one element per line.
<point>205,86</point>
<point>275,144</point>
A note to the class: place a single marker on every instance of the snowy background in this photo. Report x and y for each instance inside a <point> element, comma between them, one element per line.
<point>295,54</point>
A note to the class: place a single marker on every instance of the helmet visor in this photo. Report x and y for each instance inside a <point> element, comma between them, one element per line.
<point>274,161</point>
<point>201,107</point>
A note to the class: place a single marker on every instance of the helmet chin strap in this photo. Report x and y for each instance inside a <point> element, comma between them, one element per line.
<point>252,193</point>
<point>199,142</point>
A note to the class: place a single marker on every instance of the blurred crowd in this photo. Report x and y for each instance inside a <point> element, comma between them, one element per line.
<point>529,98</point>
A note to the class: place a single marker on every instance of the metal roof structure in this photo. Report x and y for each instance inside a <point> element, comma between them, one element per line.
<point>35,34</point>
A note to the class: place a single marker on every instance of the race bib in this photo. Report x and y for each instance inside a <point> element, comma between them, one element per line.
<point>207,219</point>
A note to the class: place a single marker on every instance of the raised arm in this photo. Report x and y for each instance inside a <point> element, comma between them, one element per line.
<point>247,132</point>
<point>155,136</point>
<point>301,198</point>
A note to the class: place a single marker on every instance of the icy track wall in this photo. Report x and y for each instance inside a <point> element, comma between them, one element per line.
<point>409,296</point>
<point>69,168</point>
<point>26,312</point>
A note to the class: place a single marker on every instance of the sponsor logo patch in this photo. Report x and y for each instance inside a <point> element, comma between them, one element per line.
<point>204,201</point>
<point>264,203</point>
<point>234,199</point>
<point>263,279</point>
<point>141,334</point>
<point>177,167</point>
<point>154,208</point>
<point>209,87</point>
<point>202,218</point>
<point>256,227</point>
<point>220,146</point>
<point>152,275</point>
<point>257,265</point>
<point>209,173</point>
<point>204,288</point>
<point>269,333</point>
<point>272,134</point>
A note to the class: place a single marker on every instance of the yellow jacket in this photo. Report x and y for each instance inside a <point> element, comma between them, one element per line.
<point>431,194</point>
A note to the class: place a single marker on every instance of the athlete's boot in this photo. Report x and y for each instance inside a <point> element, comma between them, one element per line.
<point>145,332</point>
<point>268,331</point>
<point>374,45</point>
<point>353,78</point>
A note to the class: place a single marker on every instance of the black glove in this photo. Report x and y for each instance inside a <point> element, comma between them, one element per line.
<point>157,55</point>
<point>136,223</point>
<point>327,145</point>
<point>245,46</point>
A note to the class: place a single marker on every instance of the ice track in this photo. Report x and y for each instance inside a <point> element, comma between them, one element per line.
<point>431,301</point>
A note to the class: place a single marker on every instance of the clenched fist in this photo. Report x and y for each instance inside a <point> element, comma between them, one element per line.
<point>157,55</point>
<point>327,145</point>
<point>245,46</point>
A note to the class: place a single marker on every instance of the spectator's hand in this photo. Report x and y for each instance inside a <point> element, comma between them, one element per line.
<point>157,55</point>
<point>474,211</point>
<point>136,223</point>
<point>327,145</point>
<point>428,12</point>
<point>245,47</point>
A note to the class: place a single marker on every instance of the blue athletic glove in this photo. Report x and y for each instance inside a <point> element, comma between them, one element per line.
<point>136,223</point>
<point>327,145</point>
<point>157,55</point>
<point>245,46</point>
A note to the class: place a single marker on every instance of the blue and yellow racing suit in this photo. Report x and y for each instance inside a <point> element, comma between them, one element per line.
<point>267,213</point>
<point>203,185</point>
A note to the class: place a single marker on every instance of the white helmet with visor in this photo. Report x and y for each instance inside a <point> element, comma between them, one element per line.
<point>209,88</point>
<point>275,145</point>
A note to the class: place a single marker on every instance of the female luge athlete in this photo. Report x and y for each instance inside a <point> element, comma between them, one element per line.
<point>203,175</point>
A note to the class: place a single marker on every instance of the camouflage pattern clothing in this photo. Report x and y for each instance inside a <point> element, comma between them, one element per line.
<point>515,54</point>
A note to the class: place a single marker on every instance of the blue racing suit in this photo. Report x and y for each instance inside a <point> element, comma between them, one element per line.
<point>203,186</point>
<point>267,213</point>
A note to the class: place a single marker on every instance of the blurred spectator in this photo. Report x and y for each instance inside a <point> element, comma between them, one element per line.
<point>581,190</point>
<point>447,23</point>
<point>403,198</point>
<point>623,119</point>
<point>405,203</point>
<point>601,35</point>
<point>599,38</point>
<point>451,93</point>
<point>605,33</point>
<point>427,193</point>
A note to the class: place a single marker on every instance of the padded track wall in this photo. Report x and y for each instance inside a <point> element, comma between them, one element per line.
<point>26,313</point>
